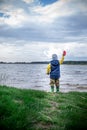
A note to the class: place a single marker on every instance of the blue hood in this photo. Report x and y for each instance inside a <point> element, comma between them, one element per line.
<point>54,57</point>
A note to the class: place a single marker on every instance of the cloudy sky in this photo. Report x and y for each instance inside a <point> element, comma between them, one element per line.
<point>32,30</point>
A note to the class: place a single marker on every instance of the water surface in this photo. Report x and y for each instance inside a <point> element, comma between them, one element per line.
<point>33,76</point>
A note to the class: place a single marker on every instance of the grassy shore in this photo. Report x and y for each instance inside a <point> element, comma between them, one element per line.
<point>38,110</point>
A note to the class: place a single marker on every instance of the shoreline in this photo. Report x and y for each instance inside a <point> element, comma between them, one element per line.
<point>62,88</point>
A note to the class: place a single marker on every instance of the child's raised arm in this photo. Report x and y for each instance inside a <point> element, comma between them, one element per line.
<point>62,59</point>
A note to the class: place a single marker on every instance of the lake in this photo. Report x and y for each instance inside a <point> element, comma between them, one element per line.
<point>33,76</point>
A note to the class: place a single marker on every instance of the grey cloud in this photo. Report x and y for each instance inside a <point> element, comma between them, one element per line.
<point>80,1</point>
<point>2,1</point>
<point>64,29</point>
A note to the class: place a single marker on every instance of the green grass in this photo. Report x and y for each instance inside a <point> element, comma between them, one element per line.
<point>38,110</point>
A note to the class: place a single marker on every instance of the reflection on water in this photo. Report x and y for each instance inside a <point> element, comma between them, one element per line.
<point>33,76</point>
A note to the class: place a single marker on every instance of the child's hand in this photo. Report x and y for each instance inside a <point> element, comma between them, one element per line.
<point>64,53</point>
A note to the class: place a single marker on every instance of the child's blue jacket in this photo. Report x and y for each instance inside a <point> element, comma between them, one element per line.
<point>55,69</point>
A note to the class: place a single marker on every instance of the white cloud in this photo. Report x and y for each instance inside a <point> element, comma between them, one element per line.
<point>50,12</point>
<point>16,18</point>
<point>25,51</point>
<point>42,14</point>
<point>28,1</point>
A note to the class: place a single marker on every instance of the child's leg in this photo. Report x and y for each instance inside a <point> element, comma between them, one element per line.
<point>57,85</point>
<point>57,88</point>
<point>52,81</point>
<point>52,88</point>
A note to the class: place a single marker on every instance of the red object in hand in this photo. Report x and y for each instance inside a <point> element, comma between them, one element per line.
<point>64,53</point>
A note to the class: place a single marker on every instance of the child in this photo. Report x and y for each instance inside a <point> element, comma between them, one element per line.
<point>53,69</point>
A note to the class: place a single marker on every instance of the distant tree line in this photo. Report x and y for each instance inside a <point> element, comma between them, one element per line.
<point>46,62</point>
<point>75,62</point>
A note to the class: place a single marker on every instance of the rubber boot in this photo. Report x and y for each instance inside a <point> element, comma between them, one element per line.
<point>52,88</point>
<point>57,88</point>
